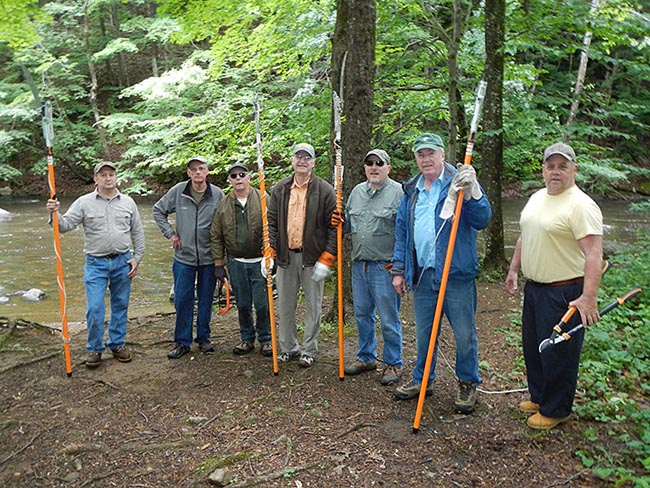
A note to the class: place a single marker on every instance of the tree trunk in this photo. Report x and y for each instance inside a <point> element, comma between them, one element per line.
<point>492,145</point>
<point>354,45</point>
<point>582,71</point>
<point>93,86</point>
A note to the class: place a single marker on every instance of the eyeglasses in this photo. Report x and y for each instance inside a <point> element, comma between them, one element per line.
<point>374,163</point>
<point>241,174</point>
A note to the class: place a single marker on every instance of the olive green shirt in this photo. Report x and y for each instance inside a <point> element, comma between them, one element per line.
<point>371,218</point>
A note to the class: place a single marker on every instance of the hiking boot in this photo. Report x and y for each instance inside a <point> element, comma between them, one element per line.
<point>305,361</point>
<point>243,348</point>
<point>466,397</point>
<point>539,422</point>
<point>121,354</point>
<point>529,407</point>
<point>411,390</point>
<point>94,359</point>
<point>391,375</point>
<point>359,367</point>
<point>266,350</point>
<point>205,347</point>
<point>285,357</point>
<point>178,351</point>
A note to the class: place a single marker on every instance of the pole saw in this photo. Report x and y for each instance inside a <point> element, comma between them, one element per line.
<point>338,187</point>
<point>268,252</point>
<point>48,135</point>
<point>480,96</point>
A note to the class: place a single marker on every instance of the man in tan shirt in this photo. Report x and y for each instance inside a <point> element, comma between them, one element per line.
<point>304,244</point>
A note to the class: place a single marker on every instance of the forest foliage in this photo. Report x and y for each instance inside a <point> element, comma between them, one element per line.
<point>148,83</point>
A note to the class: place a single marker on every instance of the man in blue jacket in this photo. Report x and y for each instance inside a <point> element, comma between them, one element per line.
<point>194,203</point>
<point>422,229</point>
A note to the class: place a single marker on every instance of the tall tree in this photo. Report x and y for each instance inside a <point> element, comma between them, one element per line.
<point>492,139</point>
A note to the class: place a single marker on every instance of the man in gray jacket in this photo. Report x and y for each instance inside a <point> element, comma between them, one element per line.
<point>194,203</point>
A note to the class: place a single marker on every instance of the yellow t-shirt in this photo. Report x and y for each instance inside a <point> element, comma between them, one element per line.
<point>551,226</point>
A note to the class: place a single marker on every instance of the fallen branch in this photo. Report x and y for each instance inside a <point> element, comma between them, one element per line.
<point>568,480</point>
<point>19,450</point>
<point>358,426</point>
<point>27,363</point>
<point>258,480</point>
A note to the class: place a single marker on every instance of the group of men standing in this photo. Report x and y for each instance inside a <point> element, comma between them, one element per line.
<point>400,235</point>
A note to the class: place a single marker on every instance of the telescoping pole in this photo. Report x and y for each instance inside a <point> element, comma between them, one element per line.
<point>48,134</point>
<point>338,186</point>
<point>268,252</point>
<point>480,96</point>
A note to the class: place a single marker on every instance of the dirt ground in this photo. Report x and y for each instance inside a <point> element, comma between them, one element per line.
<point>158,422</point>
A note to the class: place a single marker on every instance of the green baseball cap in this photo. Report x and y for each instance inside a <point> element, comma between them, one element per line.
<point>428,141</point>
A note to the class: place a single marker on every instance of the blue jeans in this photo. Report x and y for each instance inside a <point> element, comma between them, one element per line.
<point>373,292</point>
<point>460,309</point>
<point>100,274</point>
<point>185,277</point>
<point>249,287</point>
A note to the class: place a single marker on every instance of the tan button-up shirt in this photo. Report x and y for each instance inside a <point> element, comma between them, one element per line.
<point>296,214</point>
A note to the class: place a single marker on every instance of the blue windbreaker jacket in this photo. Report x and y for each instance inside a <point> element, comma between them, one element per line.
<point>475,215</point>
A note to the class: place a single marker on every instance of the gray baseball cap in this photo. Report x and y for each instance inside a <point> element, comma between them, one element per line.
<point>562,149</point>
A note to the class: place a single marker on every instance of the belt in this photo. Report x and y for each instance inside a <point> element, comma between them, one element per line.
<point>572,281</point>
<point>110,256</point>
<point>296,250</point>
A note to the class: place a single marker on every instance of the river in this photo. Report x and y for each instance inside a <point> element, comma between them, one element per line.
<point>27,258</point>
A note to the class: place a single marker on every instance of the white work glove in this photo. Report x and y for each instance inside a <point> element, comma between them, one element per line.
<point>465,179</point>
<point>322,266</point>
<point>320,272</point>
<point>263,266</point>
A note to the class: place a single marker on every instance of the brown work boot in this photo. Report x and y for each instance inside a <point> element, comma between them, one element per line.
<point>466,397</point>
<point>359,367</point>
<point>529,407</point>
<point>391,375</point>
<point>539,422</point>
<point>94,359</point>
<point>121,354</point>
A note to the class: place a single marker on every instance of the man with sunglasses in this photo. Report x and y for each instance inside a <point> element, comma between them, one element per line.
<point>304,242</point>
<point>422,231</point>
<point>236,236</point>
<point>194,203</point>
<point>370,219</point>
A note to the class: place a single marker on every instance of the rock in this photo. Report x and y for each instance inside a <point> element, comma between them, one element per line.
<point>5,215</point>
<point>220,477</point>
<point>4,299</point>
<point>33,295</point>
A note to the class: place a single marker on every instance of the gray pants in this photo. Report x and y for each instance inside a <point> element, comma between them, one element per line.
<point>289,280</point>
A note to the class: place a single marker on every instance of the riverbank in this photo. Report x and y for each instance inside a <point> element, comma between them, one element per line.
<point>156,422</point>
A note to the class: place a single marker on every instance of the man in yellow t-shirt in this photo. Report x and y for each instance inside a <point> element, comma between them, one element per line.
<point>559,252</point>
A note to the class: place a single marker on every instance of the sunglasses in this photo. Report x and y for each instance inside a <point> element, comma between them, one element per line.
<point>375,163</point>
<point>241,174</point>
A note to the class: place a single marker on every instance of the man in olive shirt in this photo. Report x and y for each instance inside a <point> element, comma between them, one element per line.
<point>370,213</point>
<point>111,223</point>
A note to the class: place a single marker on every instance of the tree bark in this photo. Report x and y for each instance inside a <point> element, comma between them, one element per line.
<point>582,71</point>
<point>492,140</point>
<point>353,62</point>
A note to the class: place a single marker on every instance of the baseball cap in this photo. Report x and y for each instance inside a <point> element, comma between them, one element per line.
<point>102,164</point>
<point>238,165</point>
<point>303,146</point>
<point>428,141</point>
<point>200,159</point>
<point>562,149</point>
<point>381,154</point>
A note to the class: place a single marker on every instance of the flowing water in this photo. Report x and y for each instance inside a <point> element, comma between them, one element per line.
<point>27,258</point>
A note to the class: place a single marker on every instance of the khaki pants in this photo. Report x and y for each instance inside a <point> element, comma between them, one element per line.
<point>289,281</point>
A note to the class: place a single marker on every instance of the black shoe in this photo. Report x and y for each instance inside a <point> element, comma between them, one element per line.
<point>178,351</point>
<point>205,347</point>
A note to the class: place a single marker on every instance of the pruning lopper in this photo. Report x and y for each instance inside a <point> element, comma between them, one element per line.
<point>556,337</point>
<point>225,285</point>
